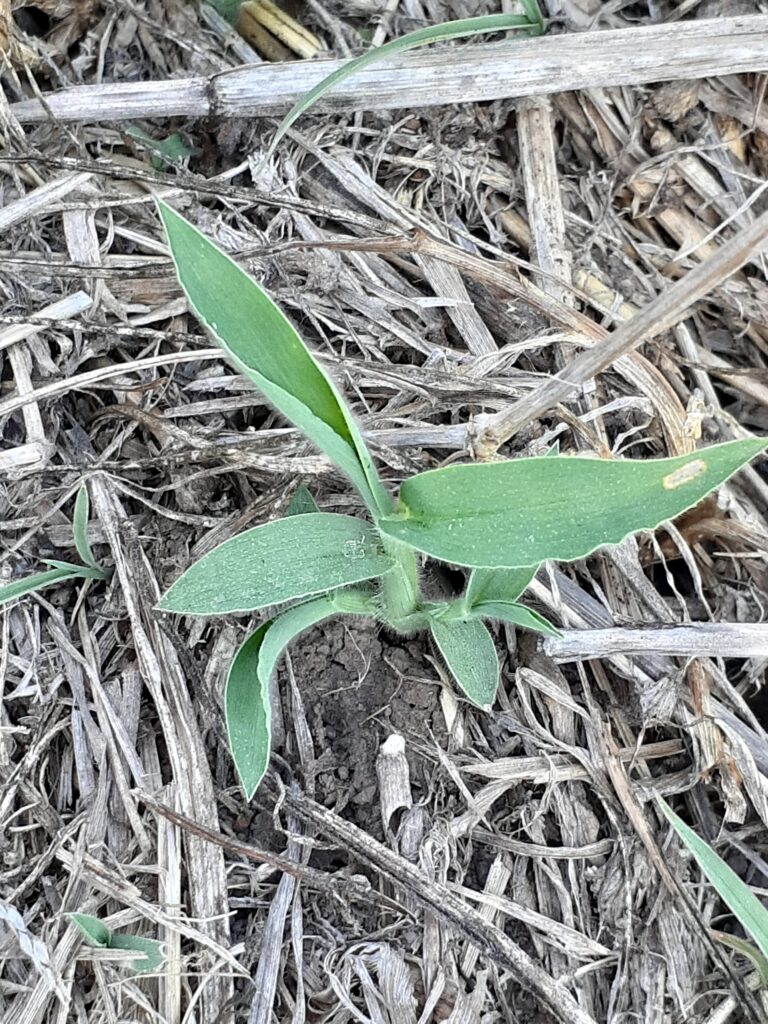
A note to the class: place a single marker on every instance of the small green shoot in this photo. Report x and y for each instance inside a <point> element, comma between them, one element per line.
<point>531,22</point>
<point>80,528</point>
<point>164,153</point>
<point>501,520</point>
<point>60,572</point>
<point>97,934</point>
<point>737,896</point>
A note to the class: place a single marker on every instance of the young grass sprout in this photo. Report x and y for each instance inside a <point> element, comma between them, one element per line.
<point>500,520</point>
<point>60,572</point>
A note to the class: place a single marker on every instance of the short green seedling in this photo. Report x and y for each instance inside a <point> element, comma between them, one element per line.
<point>501,519</point>
<point>150,955</point>
<point>60,572</point>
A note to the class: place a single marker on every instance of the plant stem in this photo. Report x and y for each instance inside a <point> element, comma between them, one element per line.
<point>400,586</point>
<point>354,601</point>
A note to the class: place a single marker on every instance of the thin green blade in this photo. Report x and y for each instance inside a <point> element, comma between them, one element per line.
<point>756,958</point>
<point>263,345</point>
<point>736,895</point>
<point>283,560</point>
<point>246,699</point>
<point>39,580</point>
<point>516,614</point>
<point>469,652</point>
<point>498,584</point>
<point>80,528</point>
<point>526,511</point>
<point>534,15</point>
<point>86,572</point>
<point>532,21</point>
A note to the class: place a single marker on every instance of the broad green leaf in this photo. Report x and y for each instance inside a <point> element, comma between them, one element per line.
<point>469,652</point>
<point>151,948</point>
<point>301,502</point>
<point>283,560</point>
<point>533,23</point>
<point>263,345</point>
<point>246,700</point>
<point>737,896</point>
<point>525,511</point>
<point>758,961</point>
<point>516,614</point>
<point>80,528</point>
<point>40,580</point>
<point>498,584</point>
<point>92,928</point>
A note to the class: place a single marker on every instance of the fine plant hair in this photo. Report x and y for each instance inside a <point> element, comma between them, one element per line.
<point>500,520</point>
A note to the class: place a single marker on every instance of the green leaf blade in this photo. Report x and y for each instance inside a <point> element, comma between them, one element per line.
<point>301,502</point>
<point>246,700</point>
<point>531,21</point>
<point>80,528</point>
<point>526,511</point>
<point>470,654</point>
<point>76,571</point>
<point>40,580</point>
<point>498,584</point>
<point>262,343</point>
<point>756,958</point>
<point>248,713</point>
<point>95,931</point>
<point>516,615</point>
<point>151,948</point>
<point>736,895</point>
<point>283,560</point>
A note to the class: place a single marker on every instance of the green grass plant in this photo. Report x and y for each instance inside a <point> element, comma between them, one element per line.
<point>500,520</point>
<point>97,934</point>
<point>530,22</point>
<point>60,572</point>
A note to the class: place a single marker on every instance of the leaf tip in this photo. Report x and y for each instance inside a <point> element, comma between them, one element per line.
<point>251,784</point>
<point>167,606</point>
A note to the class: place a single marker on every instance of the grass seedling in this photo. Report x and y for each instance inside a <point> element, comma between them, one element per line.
<point>97,934</point>
<point>500,520</point>
<point>60,572</point>
<point>530,22</point>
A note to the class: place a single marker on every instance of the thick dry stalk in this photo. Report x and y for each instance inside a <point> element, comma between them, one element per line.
<point>516,67</point>
<point>663,312</point>
<point>438,900</point>
<point>698,640</point>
